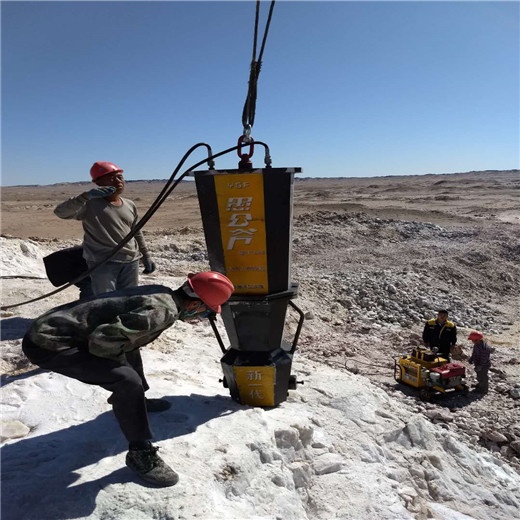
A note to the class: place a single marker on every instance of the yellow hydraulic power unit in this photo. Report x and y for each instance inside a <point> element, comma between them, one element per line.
<point>247,220</point>
<point>430,373</point>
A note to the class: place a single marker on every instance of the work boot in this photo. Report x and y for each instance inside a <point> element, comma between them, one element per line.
<point>150,467</point>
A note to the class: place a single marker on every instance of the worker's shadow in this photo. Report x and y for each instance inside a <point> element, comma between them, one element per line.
<point>450,399</point>
<point>454,400</point>
<point>39,474</point>
<point>14,328</point>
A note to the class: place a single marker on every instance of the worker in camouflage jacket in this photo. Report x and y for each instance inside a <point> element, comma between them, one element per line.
<point>97,341</point>
<point>440,333</point>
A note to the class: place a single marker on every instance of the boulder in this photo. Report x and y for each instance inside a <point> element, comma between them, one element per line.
<point>438,416</point>
<point>13,430</point>
<point>515,392</point>
<point>327,463</point>
<point>494,436</point>
<point>516,446</point>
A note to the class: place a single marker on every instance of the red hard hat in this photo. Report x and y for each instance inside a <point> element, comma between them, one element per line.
<point>212,288</point>
<point>100,168</point>
<point>475,335</point>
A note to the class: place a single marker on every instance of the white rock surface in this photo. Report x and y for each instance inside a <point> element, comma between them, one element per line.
<point>339,447</point>
<point>21,258</point>
<point>325,451</point>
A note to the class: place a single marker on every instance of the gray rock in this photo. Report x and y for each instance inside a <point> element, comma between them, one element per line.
<point>287,438</point>
<point>515,393</point>
<point>439,416</point>
<point>494,436</point>
<point>502,388</point>
<point>305,433</point>
<point>301,474</point>
<point>327,463</point>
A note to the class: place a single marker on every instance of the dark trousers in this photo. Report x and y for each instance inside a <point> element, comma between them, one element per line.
<point>124,379</point>
<point>482,372</point>
<point>85,288</point>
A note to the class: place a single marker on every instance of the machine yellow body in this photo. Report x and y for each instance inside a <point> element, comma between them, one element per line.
<point>415,367</point>
<point>429,373</point>
<point>247,220</point>
<point>256,384</point>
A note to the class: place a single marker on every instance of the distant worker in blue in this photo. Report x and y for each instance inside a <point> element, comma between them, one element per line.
<point>97,341</point>
<point>440,333</point>
<point>107,218</point>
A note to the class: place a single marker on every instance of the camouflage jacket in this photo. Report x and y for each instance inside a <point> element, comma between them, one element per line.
<point>110,324</point>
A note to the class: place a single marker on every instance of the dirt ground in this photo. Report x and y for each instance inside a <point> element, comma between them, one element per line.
<point>374,258</point>
<point>475,199</point>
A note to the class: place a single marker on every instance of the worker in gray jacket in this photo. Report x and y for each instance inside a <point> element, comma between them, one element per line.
<point>481,359</point>
<point>97,341</point>
<point>107,218</point>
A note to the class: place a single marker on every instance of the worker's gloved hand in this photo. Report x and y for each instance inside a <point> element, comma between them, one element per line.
<point>149,265</point>
<point>98,193</point>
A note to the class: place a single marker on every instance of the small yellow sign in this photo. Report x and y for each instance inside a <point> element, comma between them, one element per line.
<point>256,385</point>
<point>240,199</point>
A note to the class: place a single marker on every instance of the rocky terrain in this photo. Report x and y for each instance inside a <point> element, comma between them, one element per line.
<point>374,258</point>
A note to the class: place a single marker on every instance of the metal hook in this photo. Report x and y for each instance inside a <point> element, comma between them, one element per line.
<point>247,134</point>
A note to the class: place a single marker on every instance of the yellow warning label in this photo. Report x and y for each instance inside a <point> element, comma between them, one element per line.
<point>240,199</point>
<point>256,385</point>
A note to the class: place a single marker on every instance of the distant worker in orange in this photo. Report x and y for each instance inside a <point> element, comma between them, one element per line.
<point>440,333</point>
<point>481,359</point>
<point>107,218</point>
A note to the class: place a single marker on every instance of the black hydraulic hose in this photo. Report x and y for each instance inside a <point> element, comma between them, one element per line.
<point>160,198</point>
<point>24,277</point>
<point>128,237</point>
<point>149,213</point>
<point>363,363</point>
<point>165,192</point>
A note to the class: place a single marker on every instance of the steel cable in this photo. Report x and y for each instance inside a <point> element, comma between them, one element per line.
<point>248,113</point>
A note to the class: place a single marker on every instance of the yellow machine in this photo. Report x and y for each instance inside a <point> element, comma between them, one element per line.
<point>429,372</point>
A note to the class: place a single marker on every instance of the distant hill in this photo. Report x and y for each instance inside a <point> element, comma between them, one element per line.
<point>297,177</point>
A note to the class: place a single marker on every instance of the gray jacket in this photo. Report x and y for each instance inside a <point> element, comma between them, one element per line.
<point>110,324</point>
<point>105,225</point>
<point>481,355</point>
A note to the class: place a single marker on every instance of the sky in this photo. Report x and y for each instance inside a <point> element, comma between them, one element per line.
<point>347,89</point>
